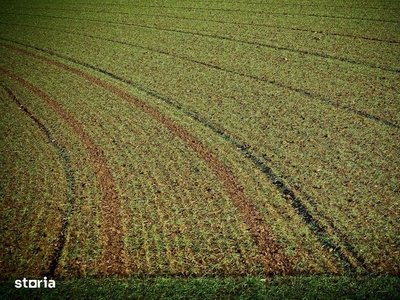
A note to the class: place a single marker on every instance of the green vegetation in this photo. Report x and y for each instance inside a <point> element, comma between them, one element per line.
<point>189,138</point>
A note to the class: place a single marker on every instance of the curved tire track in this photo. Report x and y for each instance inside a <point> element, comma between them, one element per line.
<point>70,178</point>
<point>112,254</point>
<point>272,256</point>
<point>349,258</point>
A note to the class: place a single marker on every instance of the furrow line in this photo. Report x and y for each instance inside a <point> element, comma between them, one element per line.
<point>272,256</point>
<point>70,178</point>
<point>302,52</point>
<point>112,253</point>
<point>297,204</point>
<point>253,77</point>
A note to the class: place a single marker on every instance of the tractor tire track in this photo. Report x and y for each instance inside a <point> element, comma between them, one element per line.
<point>350,259</point>
<point>227,38</point>
<point>216,67</point>
<point>272,256</point>
<point>112,254</point>
<point>70,178</point>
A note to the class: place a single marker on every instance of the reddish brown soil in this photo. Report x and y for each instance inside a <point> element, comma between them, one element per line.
<point>272,256</point>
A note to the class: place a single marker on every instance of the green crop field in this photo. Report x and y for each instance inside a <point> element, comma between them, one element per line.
<point>253,141</point>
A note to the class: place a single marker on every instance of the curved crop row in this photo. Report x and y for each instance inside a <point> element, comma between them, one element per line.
<point>296,203</point>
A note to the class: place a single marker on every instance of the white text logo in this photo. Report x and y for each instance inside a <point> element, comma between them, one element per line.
<point>35,284</point>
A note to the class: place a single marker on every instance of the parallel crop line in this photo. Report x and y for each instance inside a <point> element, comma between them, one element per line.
<point>272,256</point>
<point>70,178</point>
<point>253,77</point>
<point>297,204</point>
<point>302,52</point>
<point>111,228</point>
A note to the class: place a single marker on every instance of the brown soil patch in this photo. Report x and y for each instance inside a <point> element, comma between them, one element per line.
<point>272,256</point>
<point>112,256</point>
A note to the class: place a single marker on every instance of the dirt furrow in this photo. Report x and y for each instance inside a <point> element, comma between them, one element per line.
<point>272,256</point>
<point>112,254</point>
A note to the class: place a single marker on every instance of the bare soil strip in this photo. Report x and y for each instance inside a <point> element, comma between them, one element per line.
<point>112,255</point>
<point>60,242</point>
<point>272,256</point>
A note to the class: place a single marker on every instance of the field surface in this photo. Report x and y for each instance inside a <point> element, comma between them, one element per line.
<point>199,138</point>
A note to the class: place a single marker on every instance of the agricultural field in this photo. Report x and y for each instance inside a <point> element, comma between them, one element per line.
<point>199,139</point>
